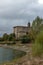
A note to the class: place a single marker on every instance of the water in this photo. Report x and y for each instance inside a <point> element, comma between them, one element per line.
<point>6,54</point>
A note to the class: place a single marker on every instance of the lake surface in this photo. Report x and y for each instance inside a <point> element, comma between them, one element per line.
<point>8,54</point>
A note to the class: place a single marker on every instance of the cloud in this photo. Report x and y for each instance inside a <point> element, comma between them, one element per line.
<point>18,12</point>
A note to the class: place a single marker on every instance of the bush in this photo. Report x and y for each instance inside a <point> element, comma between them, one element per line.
<point>25,39</point>
<point>37,49</point>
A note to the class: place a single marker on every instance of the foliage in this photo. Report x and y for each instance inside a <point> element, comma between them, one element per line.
<point>37,24</point>
<point>1,39</point>
<point>25,39</point>
<point>37,49</point>
<point>32,34</point>
<point>5,36</point>
<point>11,37</point>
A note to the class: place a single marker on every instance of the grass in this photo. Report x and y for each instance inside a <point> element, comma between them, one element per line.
<point>37,48</point>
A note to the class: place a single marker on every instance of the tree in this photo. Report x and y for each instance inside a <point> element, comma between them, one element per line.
<point>32,34</point>
<point>5,36</point>
<point>25,39</point>
<point>37,24</point>
<point>1,39</point>
<point>11,37</point>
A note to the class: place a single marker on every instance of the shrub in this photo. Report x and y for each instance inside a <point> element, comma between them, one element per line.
<point>37,49</point>
<point>25,39</point>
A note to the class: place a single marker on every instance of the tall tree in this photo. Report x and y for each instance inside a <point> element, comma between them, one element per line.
<point>37,24</point>
<point>11,37</point>
<point>5,36</point>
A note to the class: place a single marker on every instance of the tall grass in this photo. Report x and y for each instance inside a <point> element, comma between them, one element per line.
<point>37,48</point>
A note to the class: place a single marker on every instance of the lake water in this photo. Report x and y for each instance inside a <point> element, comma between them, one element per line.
<point>6,54</point>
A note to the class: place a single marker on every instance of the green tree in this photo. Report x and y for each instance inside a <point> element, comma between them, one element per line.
<point>5,36</point>
<point>32,34</point>
<point>1,39</point>
<point>37,24</point>
<point>25,39</point>
<point>11,37</point>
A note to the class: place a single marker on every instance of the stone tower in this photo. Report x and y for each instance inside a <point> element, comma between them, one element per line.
<point>28,24</point>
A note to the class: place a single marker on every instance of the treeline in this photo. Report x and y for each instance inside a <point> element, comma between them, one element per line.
<point>6,37</point>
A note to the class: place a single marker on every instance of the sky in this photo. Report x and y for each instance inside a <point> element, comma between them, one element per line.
<point>18,12</point>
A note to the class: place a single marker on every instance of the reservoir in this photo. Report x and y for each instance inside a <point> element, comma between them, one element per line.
<point>8,54</point>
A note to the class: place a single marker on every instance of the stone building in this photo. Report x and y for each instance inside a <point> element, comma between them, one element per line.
<point>21,30</point>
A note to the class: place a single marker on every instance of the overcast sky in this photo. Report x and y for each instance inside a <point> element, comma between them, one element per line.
<point>18,12</point>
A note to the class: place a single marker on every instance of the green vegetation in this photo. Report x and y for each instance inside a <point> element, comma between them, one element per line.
<point>32,34</point>
<point>37,24</point>
<point>37,49</point>
<point>11,37</point>
<point>5,36</point>
<point>25,39</point>
<point>8,39</point>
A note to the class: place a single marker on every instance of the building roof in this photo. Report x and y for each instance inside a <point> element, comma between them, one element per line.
<point>20,26</point>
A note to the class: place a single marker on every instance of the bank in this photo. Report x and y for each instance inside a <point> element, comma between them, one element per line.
<point>17,60</point>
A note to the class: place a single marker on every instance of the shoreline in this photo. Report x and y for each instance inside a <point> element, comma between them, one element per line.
<point>14,61</point>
